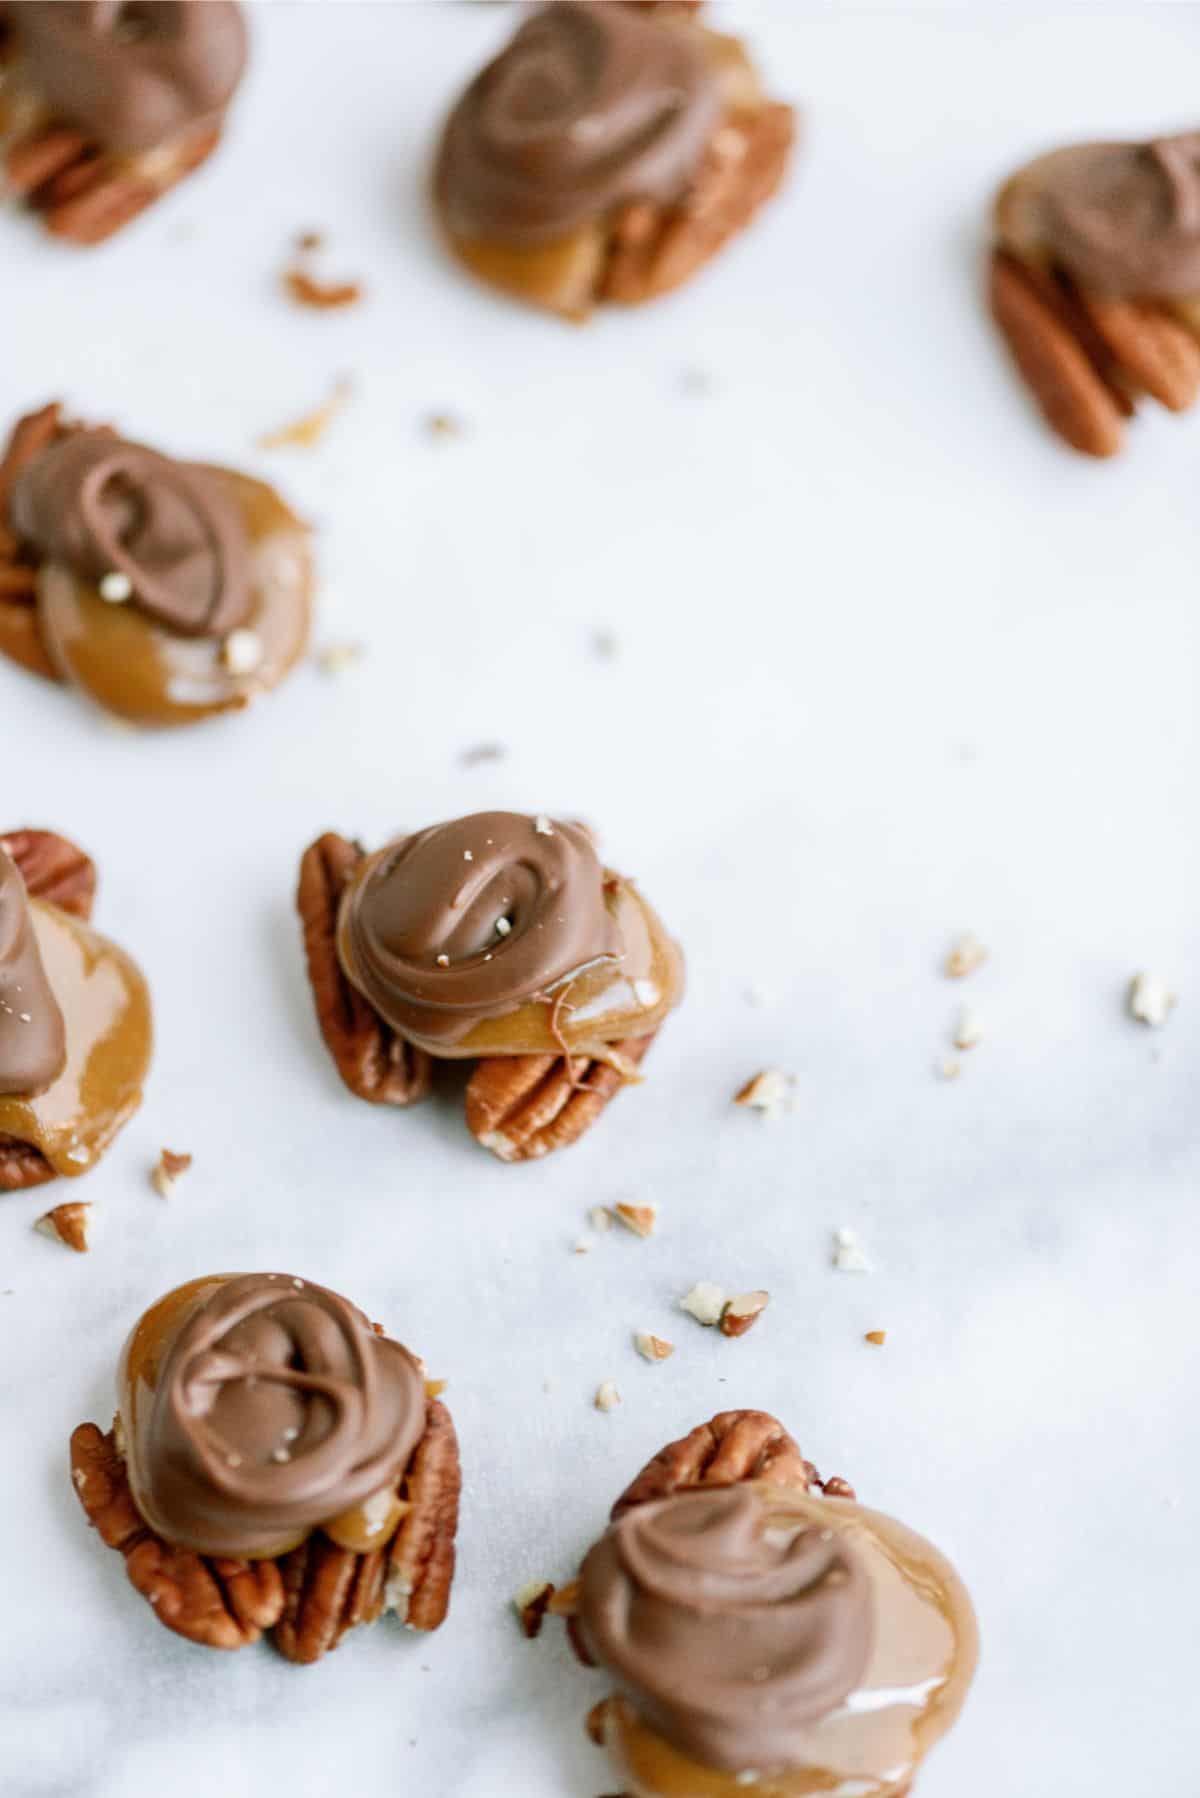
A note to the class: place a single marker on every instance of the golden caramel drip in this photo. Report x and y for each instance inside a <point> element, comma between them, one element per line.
<point>362,1528</point>
<point>106,1011</point>
<point>585,1012</point>
<point>922,1663</point>
<point>147,674</point>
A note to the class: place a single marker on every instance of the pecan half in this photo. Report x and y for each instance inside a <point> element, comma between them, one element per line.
<point>329,1590</point>
<point>86,196</point>
<point>735,1446</point>
<point>20,636</point>
<point>218,1602</point>
<point>655,249</point>
<point>54,869</point>
<point>22,1166</point>
<point>1150,346</point>
<point>522,1107</point>
<point>372,1060</point>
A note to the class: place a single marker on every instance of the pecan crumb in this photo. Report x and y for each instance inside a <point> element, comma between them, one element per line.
<point>607,1397</point>
<point>651,1347</point>
<point>1151,1000</point>
<point>171,1168</point>
<point>482,752</point>
<point>307,431</point>
<point>705,1302</point>
<point>320,296</point>
<point>332,658</point>
<point>848,1257</point>
<point>565,1601</point>
<point>967,954</point>
<point>70,1224</point>
<point>600,1217</point>
<point>948,1068</point>
<point>443,425</point>
<point>641,1219</point>
<point>743,1312</point>
<point>968,1032</point>
<point>581,1247</point>
<point>876,1337</point>
<point>772,1092</point>
<point>530,1605</point>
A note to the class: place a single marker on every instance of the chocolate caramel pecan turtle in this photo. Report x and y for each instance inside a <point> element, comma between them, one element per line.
<point>763,1629</point>
<point>75,1027</point>
<point>276,1465</point>
<point>607,154</point>
<point>498,938</point>
<point>165,591</point>
<point>1094,281</point>
<point>107,104</point>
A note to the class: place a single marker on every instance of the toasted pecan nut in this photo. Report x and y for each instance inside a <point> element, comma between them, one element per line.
<point>735,1446</point>
<point>656,249</point>
<point>20,636</point>
<point>84,195</point>
<point>1077,401</point>
<point>217,1602</point>
<point>372,1060</point>
<point>1151,346</point>
<point>54,869</point>
<point>522,1107</point>
<point>327,1591</point>
<point>422,1554</point>
<point>22,1166</point>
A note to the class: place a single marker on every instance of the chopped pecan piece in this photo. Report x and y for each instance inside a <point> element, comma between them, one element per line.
<point>70,1224</point>
<point>86,196</point>
<point>524,1106</point>
<point>373,1061</point>
<point>54,869</point>
<point>218,1602</point>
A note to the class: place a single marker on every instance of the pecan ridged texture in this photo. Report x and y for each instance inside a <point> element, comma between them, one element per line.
<point>373,1061</point>
<point>306,1600</point>
<point>522,1107</point>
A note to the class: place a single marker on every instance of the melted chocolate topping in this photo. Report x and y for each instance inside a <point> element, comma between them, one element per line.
<point>472,919</point>
<point>133,74</point>
<point>1124,219</point>
<point>101,506</point>
<point>730,1623</point>
<point>590,106</point>
<point>33,1044</point>
<point>276,1408</point>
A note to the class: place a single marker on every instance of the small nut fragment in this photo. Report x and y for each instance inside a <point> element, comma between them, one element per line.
<point>1151,1000</point>
<point>70,1224</point>
<point>607,1396</point>
<point>242,651</point>
<point>565,1601</point>
<point>848,1257</point>
<point>968,1032</point>
<point>600,1217</point>
<point>967,954</point>
<point>651,1347</point>
<point>170,1170</point>
<point>743,1312</point>
<point>948,1068</point>
<point>876,1337</point>
<point>530,1605</point>
<point>772,1093</point>
<point>705,1302</point>
<point>332,658</point>
<point>641,1219</point>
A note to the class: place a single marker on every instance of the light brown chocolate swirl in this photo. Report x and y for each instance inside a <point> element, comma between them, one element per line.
<point>1124,218</point>
<point>100,506</point>
<point>590,106</point>
<point>272,1408</point>
<point>133,74</point>
<point>33,1044</point>
<point>730,1623</point>
<point>474,918</point>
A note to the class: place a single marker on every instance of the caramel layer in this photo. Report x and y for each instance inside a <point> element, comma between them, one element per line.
<point>106,1010</point>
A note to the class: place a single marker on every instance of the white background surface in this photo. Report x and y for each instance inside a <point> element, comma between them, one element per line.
<point>891,665</point>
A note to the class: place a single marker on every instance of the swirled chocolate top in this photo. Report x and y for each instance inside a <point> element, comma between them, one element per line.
<point>590,106</point>
<point>33,1046</point>
<point>133,74</point>
<point>1124,218</point>
<point>731,1623</point>
<point>271,1408</point>
<point>169,534</point>
<point>472,919</point>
